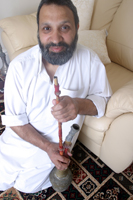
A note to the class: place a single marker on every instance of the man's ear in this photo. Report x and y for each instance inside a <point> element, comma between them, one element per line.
<point>77,26</point>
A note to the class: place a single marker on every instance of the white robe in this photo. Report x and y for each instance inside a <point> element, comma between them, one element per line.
<point>28,99</point>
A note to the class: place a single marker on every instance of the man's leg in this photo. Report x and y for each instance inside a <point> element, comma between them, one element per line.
<point>8,174</point>
<point>34,179</point>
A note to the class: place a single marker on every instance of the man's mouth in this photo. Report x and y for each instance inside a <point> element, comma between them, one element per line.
<point>56,49</point>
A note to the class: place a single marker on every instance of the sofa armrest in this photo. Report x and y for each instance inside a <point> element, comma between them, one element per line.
<point>121,101</point>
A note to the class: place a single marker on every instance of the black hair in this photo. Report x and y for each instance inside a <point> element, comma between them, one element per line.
<point>67,3</point>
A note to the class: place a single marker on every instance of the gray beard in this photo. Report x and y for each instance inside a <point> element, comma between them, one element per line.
<point>61,57</point>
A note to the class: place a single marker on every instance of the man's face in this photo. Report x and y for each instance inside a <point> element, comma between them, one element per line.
<point>57,34</point>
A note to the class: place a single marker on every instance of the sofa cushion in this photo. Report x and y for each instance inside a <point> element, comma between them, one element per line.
<point>120,38</point>
<point>21,30</point>
<point>104,11</point>
<point>85,10</point>
<point>121,101</point>
<point>95,40</point>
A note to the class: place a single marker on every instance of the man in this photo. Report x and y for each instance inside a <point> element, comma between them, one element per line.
<point>29,145</point>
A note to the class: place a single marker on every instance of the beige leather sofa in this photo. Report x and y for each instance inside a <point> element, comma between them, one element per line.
<point>109,137</point>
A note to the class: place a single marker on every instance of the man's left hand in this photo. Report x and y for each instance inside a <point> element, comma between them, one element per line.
<point>66,109</point>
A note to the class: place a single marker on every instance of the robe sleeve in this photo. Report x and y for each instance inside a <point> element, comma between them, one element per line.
<point>100,90</point>
<point>15,107</point>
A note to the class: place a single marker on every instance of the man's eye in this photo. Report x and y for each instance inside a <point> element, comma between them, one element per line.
<point>46,28</point>
<point>64,28</point>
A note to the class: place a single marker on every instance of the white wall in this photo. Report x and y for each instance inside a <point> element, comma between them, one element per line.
<point>17,7</point>
<point>10,8</point>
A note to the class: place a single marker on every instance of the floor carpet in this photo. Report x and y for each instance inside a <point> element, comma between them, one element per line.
<point>92,179</point>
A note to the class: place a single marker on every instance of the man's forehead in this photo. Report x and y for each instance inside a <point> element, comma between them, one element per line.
<point>56,12</point>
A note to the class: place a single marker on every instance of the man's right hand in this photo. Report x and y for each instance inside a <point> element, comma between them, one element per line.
<point>30,134</point>
<point>61,162</point>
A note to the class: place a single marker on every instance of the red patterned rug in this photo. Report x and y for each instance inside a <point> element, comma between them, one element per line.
<point>92,179</point>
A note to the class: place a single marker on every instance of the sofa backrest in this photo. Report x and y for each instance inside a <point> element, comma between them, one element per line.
<point>103,14</point>
<point>19,33</point>
<point>120,37</point>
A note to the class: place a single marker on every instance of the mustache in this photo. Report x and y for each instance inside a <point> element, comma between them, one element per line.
<point>56,45</point>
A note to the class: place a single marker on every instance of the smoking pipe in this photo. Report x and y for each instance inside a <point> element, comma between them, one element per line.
<point>61,179</point>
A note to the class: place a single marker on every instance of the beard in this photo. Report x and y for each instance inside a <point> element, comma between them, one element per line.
<point>61,57</point>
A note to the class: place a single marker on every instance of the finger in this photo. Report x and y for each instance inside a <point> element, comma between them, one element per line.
<point>61,159</point>
<point>54,101</point>
<point>65,114</point>
<point>69,153</point>
<point>58,107</point>
<point>64,160</point>
<point>66,119</point>
<point>63,102</point>
<point>61,165</point>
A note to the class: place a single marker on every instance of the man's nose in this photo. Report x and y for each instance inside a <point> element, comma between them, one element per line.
<point>56,37</point>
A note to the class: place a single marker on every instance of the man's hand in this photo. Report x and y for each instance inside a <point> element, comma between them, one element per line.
<point>61,162</point>
<point>66,109</point>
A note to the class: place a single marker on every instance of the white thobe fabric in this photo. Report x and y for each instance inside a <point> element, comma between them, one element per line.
<point>28,99</point>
